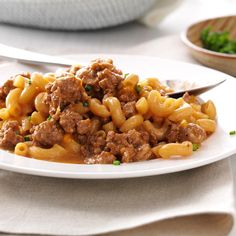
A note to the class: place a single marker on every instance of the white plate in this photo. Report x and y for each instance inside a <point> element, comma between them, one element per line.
<point>220,145</point>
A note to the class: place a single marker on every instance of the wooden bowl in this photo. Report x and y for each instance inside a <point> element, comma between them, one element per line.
<point>220,61</point>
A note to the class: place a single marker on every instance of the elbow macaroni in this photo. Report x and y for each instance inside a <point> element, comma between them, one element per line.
<point>131,80</point>
<point>21,149</point>
<point>117,115</point>
<point>208,125</point>
<point>176,149</point>
<point>70,144</point>
<point>209,109</point>
<point>162,106</point>
<point>142,105</point>
<point>52,154</point>
<point>98,109</point>
<point>150,112</point>
<point>132,123</point>
<point>40,105</point>
<point>181,113</point>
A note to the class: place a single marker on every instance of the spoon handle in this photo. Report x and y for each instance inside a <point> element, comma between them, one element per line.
<point>16,54</point>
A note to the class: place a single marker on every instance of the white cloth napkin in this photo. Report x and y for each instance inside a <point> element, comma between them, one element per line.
<point>200,198</point>
<point>196,202</point>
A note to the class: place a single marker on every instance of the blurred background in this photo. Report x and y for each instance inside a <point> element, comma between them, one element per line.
<point>149,20</point>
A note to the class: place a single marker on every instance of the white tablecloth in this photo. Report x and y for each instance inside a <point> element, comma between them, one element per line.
<point>201,199</point>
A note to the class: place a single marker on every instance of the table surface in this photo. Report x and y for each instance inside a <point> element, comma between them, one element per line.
<point>119,39</point>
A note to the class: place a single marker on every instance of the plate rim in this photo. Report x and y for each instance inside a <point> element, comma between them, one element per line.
<point>112,174</point>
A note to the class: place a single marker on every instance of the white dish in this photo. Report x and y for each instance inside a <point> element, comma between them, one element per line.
<point>218,146</point>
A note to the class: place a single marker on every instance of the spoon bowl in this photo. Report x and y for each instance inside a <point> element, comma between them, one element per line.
<point>181,87</point>
<point>28,57</point>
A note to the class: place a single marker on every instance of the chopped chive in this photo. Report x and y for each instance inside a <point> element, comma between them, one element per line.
<point>116,163</point>
<point>85,104</point>
<point>195,146</point>
<point>29,118</point>
<point>232,132</point>
<point>27,138</point>
<point>49,117</point>
<point>88,87</point>
<point>138,88</point>
<point>125,75</point>
<point>17,132</point>
<point>29,81</point>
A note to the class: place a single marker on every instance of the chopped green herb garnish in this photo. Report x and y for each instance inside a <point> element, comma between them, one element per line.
<point>88,87</point>
<point>27,138</point>
<point>218,41</point>
<point>29,117</point>
<point>232,132</point>
<point>138,88</point>
<point>116,162</point>
<point>195,146</point>
<point>17,132</point>
<point>49,117</point>
<point>29,81</point>
<point>125,75</point>
<point>85,104</point>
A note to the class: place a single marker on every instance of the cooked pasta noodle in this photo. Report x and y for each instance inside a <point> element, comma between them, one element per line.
<point>98,109</point>
<point>97,115</point>
<point>132,123</point>
<point>117,115</point>
<point>21,149</point>
<point>40,106</point>
<point>51,154</point>
<point>176,149</point>
<point>208,125</point>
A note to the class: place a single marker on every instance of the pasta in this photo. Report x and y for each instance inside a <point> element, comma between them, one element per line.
<point>208,125</point>
<point>98,109</point>
<point>37,118</point>
<point>97,115</point>
<point>142,105</point>
<point>70,144</point>
<point>11,104</point>
<point>21,149</point>
<point>181,113</point>
<point>4,113</point>
<point>51,154</point>
<point>162,106</point>
<point>28,94</point>
<point>176,149</point>
<point>80,108</point>
<point>117,115</point>
<point>209,109</point>
<point>131,80</point>
<point>19,81</point>
<point>40,106</point>
<point>38,81</point>
<point>132,123</point>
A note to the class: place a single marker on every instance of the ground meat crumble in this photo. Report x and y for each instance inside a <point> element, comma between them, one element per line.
<point>101,76</point>
<point>64,91</point>
<point>10,135</point>
<point>76,87</point>
<point>4,90</point>
<point>47,134</point>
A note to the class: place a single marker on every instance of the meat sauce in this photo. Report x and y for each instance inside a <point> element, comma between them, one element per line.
<point>59,117</point>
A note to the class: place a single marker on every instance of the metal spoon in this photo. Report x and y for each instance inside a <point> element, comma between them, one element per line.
<point>20,55</point>
<point>181,87</point>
